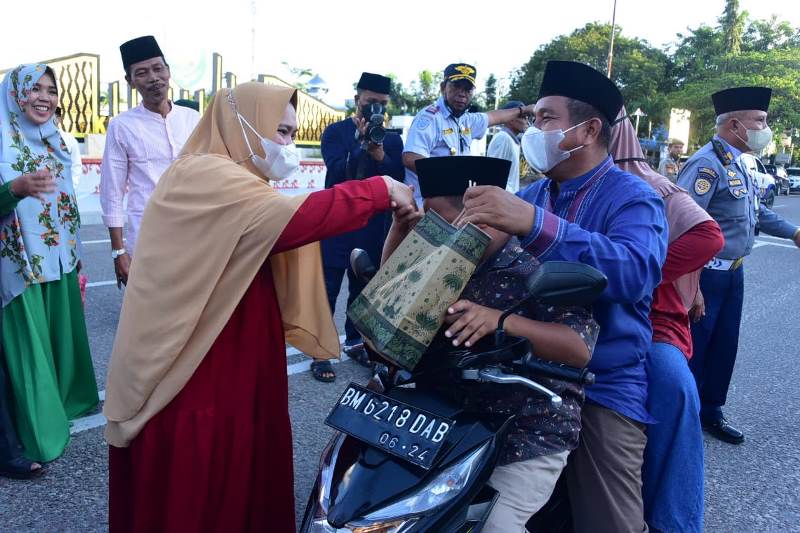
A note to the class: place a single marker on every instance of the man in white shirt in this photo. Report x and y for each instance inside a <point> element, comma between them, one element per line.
<point>505,144</point>
<point>140,144</point>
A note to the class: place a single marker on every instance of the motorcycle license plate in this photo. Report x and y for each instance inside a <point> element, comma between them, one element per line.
<point>400,429</point>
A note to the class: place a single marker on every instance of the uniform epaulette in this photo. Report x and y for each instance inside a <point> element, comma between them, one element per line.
<point>725,157</point>
<point>433,109</point>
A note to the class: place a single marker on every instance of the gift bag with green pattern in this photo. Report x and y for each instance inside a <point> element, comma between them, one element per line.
<point>400,310</point>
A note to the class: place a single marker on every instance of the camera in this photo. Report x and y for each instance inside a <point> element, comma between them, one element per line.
<point>373,114</point>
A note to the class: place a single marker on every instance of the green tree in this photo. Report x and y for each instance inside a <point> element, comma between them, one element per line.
<point>778,69</point>
<point>697,54</point>
<point>732,22</point>
<point>706,60</point>
<point>401,101</point>
<point>490,92</point>
<point>772,34</point>
<point>643,72</point>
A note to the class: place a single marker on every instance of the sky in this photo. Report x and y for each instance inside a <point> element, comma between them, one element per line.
<point>338,39</point>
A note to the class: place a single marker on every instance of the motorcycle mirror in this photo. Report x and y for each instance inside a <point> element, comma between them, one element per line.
<point>566,283</point>
<point>558,283</point>
<point>362,265</point>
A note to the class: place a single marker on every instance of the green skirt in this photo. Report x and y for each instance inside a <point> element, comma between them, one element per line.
<point>50,368</point>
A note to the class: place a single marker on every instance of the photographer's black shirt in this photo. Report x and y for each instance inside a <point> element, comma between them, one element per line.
<point>345,160</point>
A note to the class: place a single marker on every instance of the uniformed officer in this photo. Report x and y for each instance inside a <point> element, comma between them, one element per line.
<point>721,184</point>
<point>446,127</point>
<point>670,165</point>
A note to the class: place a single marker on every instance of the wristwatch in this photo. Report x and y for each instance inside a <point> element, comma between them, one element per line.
<point>117,253</point>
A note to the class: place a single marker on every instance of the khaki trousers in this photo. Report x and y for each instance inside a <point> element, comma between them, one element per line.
<point>524,487</point>
<point>604,473</point>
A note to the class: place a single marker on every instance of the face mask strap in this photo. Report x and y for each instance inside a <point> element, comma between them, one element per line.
<point>620,119</point>
<point>242,122</point>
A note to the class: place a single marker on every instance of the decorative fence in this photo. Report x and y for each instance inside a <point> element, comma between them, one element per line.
<point>80,98</point>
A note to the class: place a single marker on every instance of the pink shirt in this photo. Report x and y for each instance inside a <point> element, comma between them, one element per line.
<point>140,145</point>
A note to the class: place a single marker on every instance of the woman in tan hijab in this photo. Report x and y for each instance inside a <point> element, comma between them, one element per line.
<point>196,397</point>
<point>672,474</point>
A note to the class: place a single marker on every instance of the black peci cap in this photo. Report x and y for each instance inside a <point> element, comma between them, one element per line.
<point>139,49</point>
<point>581,82</point>
<point>450,176</point>
<point>741,99</point>
<point>375,83</point>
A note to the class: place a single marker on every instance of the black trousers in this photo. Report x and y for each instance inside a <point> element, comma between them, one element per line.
<point>10,447</point>
<point>333,284</point>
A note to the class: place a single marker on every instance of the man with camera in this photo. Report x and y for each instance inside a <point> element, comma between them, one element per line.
<point>356,148</point>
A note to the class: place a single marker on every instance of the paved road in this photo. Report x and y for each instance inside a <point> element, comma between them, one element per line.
<point>752,487</point>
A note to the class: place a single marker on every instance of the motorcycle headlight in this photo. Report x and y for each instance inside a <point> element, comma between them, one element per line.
<point>396,526</point>
<point>400,515</point>
<point>438,491</point>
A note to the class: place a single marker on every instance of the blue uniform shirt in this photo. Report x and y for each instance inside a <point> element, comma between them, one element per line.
<point>729,195</point>
<point>615,222</point>
<point>344,158</point>
<point>436,132</point>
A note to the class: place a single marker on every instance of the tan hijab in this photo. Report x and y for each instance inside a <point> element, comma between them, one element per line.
<point>206,231</point>
<point>682,211</point>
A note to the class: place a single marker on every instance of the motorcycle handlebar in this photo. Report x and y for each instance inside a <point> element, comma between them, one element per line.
<point>581,376</point>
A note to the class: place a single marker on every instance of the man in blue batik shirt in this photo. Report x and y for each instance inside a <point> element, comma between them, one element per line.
<point>590,211</point>
<point>352,150</point>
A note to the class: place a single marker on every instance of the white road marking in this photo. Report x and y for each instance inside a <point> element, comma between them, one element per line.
<point>100,283</point>
<point>773,238</point>
<point>95,421</point>
<point>86,423</point>
<point>782,245</point>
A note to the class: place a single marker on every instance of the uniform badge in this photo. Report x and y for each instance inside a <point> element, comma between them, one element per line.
<point>731,173</point>
<point>708,173</point>
<point>734,182</point>
<point>448,131</point>
<point>702,186</point>
<point>423,123</point>
<point>452,151</point>
<point>466,131</point>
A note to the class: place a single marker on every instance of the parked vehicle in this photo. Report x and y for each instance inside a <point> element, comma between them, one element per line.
<point>794,179</point>
<point>764,181</point>
<point>385,474</point>
<point>781,178</point>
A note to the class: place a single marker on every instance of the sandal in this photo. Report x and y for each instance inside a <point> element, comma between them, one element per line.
<point>357,353</point>
<point>323,371</point>
<point>20,468</point>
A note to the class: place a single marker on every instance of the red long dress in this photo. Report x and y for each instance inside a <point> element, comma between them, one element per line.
<point>219,456</point>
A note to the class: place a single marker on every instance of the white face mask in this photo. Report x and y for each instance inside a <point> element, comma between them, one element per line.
<point>541,148</point>
<point>757,140</point>
<point>281,161</point>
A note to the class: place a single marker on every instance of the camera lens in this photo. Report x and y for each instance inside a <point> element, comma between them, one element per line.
<point>375,131</point>
<point>376,134</point>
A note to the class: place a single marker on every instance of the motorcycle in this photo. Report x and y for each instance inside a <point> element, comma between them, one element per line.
<point>406,458</point>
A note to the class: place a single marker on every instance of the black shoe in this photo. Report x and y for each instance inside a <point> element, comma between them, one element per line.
<point>358,354</point>
<point>722,430</point>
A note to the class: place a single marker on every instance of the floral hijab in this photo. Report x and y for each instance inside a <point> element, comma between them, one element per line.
<point>38,239</point>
